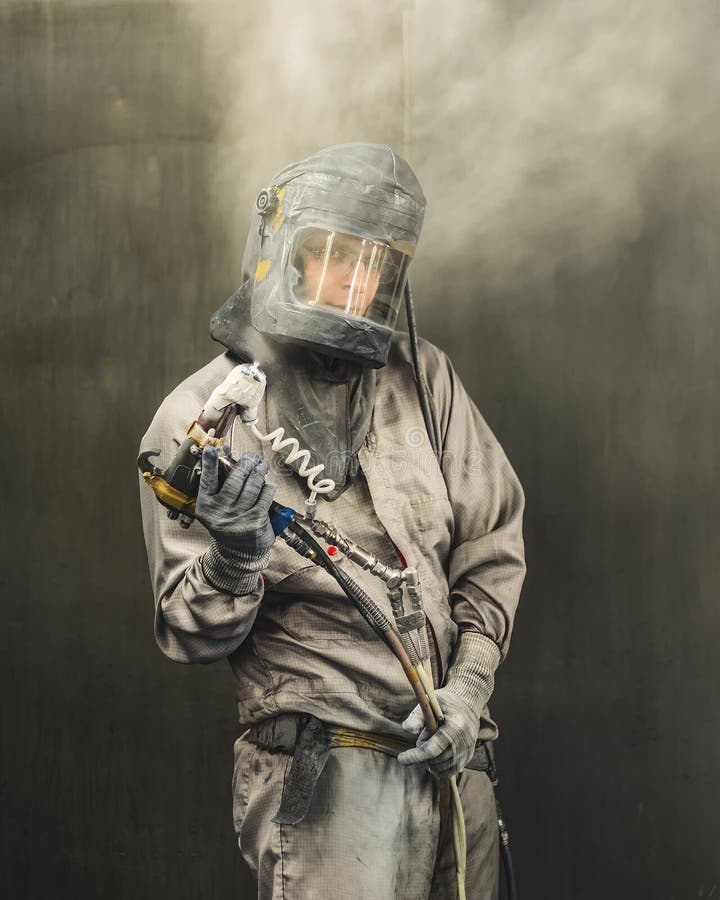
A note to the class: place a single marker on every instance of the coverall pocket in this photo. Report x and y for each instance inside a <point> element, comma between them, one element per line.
<point>318,620</point>
<point>259,779</point>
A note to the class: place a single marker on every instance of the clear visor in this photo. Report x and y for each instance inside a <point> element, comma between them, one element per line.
<point>349,275</point>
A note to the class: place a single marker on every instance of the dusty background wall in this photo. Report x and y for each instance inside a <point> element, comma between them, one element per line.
<point>569,266</point>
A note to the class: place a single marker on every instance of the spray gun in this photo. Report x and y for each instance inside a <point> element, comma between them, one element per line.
<point>177,486</point>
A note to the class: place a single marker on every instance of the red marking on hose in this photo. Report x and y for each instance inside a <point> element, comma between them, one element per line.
<point>400,556</point>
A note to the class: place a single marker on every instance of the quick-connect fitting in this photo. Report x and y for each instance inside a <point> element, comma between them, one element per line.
<point>412,583</point>
<point>310,508</point>
<point>280,517</point>
<point>393,578</point>
<point>396,602</point>
<point>298,545</point>
<point>412,579</point>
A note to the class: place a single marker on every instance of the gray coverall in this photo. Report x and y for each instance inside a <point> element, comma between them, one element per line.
<point>296,645</point>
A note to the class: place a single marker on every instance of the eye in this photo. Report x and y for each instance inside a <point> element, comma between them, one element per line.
<point>341,256</point>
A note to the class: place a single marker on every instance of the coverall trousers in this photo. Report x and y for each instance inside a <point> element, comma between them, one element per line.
<point>373,830</point>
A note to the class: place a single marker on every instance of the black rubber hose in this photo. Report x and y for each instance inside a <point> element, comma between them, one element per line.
<point>420,383</point>
<point>373,615</point>
<point>505,854</point>
<point>508,870</point>
<point>369,610</point>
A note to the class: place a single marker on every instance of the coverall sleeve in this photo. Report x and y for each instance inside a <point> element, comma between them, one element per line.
<point>194,622</point>
<point>487,563</point>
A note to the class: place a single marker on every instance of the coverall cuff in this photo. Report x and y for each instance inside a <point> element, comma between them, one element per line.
<point>472,672</point>
<point>232,571</point>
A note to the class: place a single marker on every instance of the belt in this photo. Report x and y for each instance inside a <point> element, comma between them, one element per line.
<point>310,741</point>
<point>284,731</point>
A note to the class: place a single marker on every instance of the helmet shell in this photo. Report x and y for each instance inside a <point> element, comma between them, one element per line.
<point>364,190</point>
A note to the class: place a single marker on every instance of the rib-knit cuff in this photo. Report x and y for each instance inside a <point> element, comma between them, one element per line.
<point>232,571</point>
<point>472,673</point>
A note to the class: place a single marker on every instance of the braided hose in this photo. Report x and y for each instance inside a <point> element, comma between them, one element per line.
<point>375,617</point>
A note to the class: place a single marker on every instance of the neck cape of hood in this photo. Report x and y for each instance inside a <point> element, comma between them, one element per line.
<point>325,404</point>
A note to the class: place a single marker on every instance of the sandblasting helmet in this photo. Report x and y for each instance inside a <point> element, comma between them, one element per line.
<point>329,247</point>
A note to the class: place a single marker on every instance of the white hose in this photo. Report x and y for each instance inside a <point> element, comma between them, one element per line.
<point>459,837</point>
<point>278,441</point>
<point>245,387</point>
<point>458,815</point>
<point>426,682</point>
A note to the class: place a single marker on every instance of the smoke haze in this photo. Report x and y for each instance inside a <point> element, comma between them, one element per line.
<point>543,133</point>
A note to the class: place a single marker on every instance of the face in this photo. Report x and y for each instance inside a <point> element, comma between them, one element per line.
<point>339,271</point>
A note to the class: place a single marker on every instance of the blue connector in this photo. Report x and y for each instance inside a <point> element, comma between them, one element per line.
<point>280,517</point>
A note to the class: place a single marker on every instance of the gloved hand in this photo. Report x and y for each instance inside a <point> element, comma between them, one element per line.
<point>452,746</point>
<point>470,683</point>
<point>236,515</point>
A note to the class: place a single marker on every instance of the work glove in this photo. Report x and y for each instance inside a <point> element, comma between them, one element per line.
<point>470,683</point>
<point>235,512</point>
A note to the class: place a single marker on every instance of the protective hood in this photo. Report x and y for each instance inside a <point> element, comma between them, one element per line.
<point>329,247</point>
<point>325,404</point>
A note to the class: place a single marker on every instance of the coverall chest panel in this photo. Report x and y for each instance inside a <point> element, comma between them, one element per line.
<point>295,643</point>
